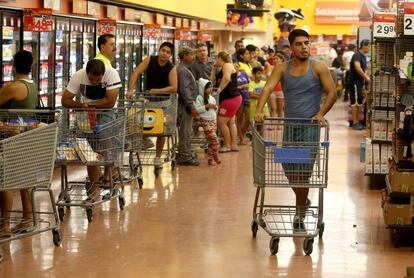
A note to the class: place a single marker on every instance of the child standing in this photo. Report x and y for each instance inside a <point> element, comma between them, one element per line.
<point>255,89</point>
<point>206,107</point>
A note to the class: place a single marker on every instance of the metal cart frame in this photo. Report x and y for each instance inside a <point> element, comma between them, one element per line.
<point>276,155</point>
<point>27,162</point>
<point>169,105</point>
<point>110,139</point>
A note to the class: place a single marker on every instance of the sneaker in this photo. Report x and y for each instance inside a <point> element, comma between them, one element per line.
<point>158,163</point>
<point>147,144</point>
<point>358,126</point>
<point>298,223</point>
<point>189,162</point>
<point>299,219</point>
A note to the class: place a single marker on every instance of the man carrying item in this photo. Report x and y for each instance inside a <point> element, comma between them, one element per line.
<point>20,94</point>
<point>201,68</point>
<point>107,49</point>
<point>161,80</point>
<point>187,94</point>
<point>357,78</point>
<point>97,87</point>
<point>303,81</point>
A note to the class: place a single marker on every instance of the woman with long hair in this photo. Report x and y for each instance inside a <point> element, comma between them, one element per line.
<point>229,99</point>
<point>244,71</point>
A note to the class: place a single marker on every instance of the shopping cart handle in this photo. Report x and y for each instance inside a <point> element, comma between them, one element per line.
<point>325,144</point>
<point>268,143</point>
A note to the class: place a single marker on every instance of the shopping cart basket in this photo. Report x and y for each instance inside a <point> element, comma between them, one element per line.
<point>134,113</point>
<point>27,154</point>
<point>93,138</point>
<point>160,119</point>
<point>289,153</point>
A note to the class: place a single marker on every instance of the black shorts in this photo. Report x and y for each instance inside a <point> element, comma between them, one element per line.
<point>355,94</point>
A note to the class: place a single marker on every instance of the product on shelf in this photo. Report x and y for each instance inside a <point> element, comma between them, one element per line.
<point>85,151</point>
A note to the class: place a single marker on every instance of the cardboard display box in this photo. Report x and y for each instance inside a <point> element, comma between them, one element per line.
<point>401,181</point>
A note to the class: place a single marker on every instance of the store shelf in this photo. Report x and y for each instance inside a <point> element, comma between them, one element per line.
<point>375,174</point>
<point>382,108</point>
<point>381,142</point>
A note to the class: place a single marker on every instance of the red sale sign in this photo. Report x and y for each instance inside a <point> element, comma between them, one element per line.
<point>106,26</point>
<point>38,20</point>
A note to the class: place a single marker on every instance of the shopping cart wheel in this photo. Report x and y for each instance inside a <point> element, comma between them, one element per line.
<point>321,229</point>
<point>274,245</point>
<point>61,212</point>
<point>89,214</point>
<point>121,201</point>
<point>254,228</point>
<point>57,238</point>
<point>172,165</point>
<point>308,246</point>
<point>140,181</point>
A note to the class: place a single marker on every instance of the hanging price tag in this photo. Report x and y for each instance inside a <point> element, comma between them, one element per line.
<point>384,25</point>
<point>106,26</point>
<point>38,20</point>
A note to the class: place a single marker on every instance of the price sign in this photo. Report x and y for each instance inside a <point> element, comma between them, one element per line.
<point>409,24</point>
<point>384,30</point>
<point>38,20</point>
<point>384,25</point>
<point>106,26</point>
<point>408,19</point>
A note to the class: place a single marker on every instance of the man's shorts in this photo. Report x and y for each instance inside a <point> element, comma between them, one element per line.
<point>102,137</point>
<point>355,94</point>
<point>302,137</point>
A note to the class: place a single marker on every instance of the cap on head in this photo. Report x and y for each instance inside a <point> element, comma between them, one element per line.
<point>364,42</point>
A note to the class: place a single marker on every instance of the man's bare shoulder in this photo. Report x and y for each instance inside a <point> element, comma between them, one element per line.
<point>14,87</point>
<point>320,66</point>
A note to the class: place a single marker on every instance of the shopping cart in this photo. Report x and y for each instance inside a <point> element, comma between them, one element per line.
<point>160,119</point>
<point>134,113</point>
<point>289,153</point>
<point>93,138</point>
<point>27,154</point>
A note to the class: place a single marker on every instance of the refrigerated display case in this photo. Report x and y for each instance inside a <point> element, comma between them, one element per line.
<point>61,58</point>
<point>128,52</point>
<point>75,46</point>
<point>41,46</point>
<point>11,43</point>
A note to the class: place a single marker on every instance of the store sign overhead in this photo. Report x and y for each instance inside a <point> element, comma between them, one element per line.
<point>336,12</point>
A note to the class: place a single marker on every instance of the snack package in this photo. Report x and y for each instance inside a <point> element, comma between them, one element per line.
<point>84,150</point>
<point>65,151</point>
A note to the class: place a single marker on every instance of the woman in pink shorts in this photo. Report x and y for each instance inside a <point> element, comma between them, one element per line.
<point>229,99</point>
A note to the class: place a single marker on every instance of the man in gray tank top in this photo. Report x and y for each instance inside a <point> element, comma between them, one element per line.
<point>303,82</point>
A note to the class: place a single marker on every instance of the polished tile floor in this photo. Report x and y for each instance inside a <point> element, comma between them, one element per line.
<point>195,222</point>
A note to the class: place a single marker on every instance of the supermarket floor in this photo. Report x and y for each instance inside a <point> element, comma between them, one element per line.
<point>195,222</point>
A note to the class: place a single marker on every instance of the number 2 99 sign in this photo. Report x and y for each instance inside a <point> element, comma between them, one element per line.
<point>38,20</point>
<point>384,25</point>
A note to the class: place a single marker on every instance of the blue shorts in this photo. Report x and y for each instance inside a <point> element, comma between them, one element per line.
<point>301,137</point>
